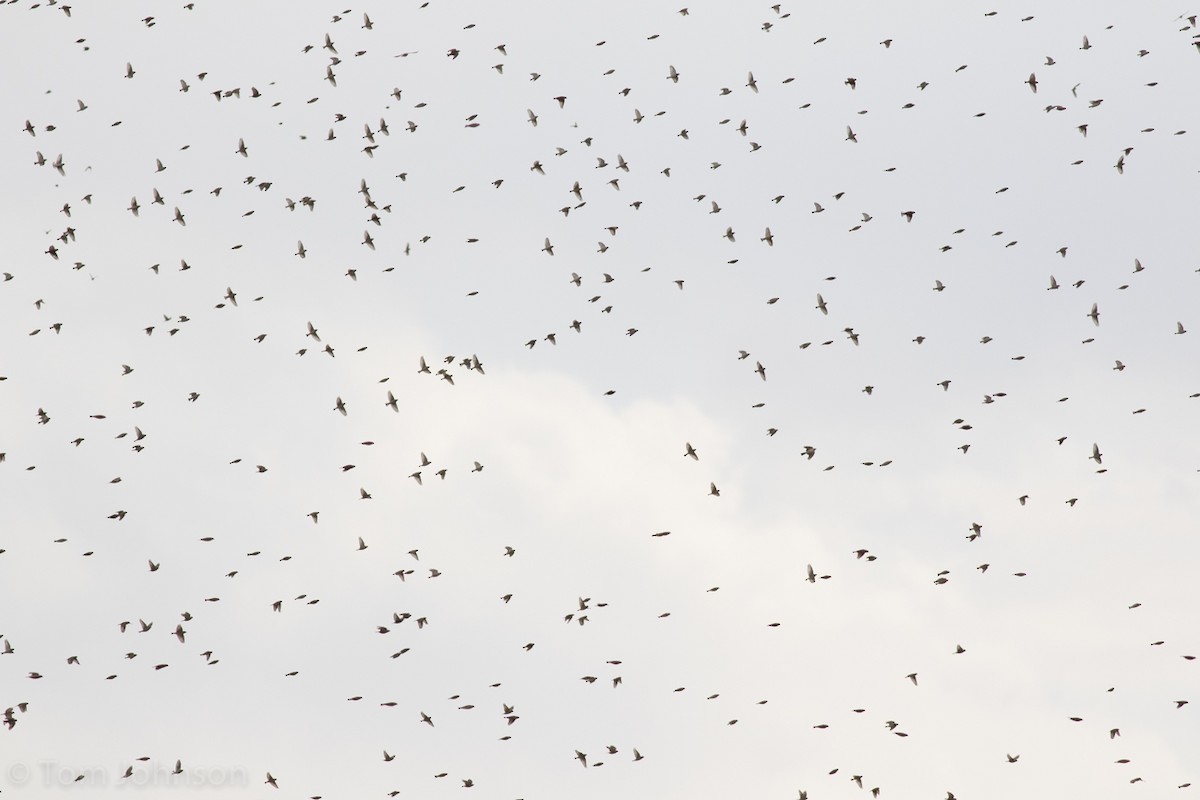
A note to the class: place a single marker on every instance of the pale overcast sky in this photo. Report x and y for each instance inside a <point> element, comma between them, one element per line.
<point>171,457</point>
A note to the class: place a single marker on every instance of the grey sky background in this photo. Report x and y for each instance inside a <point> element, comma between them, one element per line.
<point>576,480</point>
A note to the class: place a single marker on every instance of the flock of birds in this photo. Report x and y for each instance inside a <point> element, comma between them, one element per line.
<point>180,261</point>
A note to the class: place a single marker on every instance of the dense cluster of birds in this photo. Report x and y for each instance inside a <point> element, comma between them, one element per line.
<point>180,279</point>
